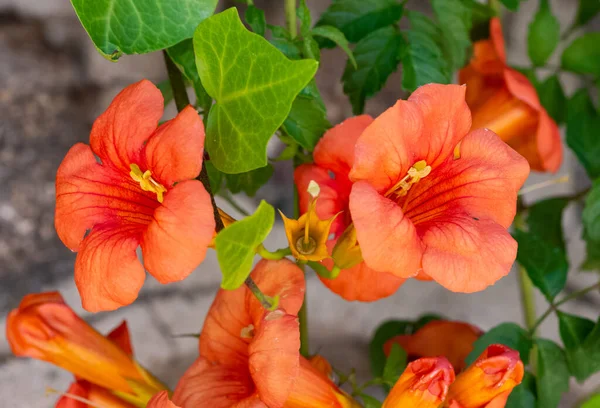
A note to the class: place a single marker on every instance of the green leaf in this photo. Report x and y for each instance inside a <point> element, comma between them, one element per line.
<point>546,265</point>
<point>254,87</point>
<point>512,5</point>
<point>255,18</point>
<point>422,58</point>
<point>359,18</point>
<point>287,47</point>
<point>524,394</point>
<point>553,98</point>
<point>509,334</point>
<point>553,373</point>
<point>250,181</point>
<point>384,332</point>
<point>306,122</point>
<point>587,11</point>
<point>592,260</point>
<point>376,58</point>
<point>591,213</point>
<point>394,365</point>
<point>237,243</point>
<point>592,402</point>
<point>545,220</point>
<point>454,18</point>
<point>215,177</point>
<point>544,34</point>
<point>303,13</point>
<point>335,35</point>
<point>142,26</point>
<point>182,55</point>
<point>583,55</point>
<point>583,128</point>
<point>370,402</point>
<point>581,338</point>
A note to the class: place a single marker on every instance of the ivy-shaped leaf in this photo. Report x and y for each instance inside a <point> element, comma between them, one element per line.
<point>583,128</point>
<point>545,220</point>
<point>250,181</point>
<point>236,245</point>
<point>524,394</point>
<point>359,18</point>
<point>422,57</point>
<point>255,18</point>
<point>553,98</point>
<point>376,58</point>
<point>591,213</point>
<point>454,17</point>
<point>546,264</point>
<point>138,27</point>
<point>307,122</point>
<point>582,56</point>
<point>544,34</point>
<point>253,85</point>
<point>552,373</point>
<point>581,338</point>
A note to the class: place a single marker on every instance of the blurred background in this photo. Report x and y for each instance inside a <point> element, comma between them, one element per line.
<point>53,84</point>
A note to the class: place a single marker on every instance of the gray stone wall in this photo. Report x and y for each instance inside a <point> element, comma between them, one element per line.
<point>53,84</point>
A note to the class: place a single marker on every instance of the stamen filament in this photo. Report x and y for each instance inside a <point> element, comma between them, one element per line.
<point>74,397</point>
<point>543,184</point>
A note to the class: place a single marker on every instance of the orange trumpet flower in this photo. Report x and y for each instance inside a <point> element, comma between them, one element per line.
<point>430,382</point>
<point>453,340</point>
<point>504,100</point>
<point>45,328</point>
<point>334,157</point>
<point>141,192</point>
<point>249,357</point>
<point>431,199</point>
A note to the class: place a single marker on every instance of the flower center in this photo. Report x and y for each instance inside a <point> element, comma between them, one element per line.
<point>306,246</point>
<point>418,171</point>
<point>147,183</point>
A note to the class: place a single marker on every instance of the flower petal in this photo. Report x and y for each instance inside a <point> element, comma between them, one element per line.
<point>120,336</point>
<point>453,340</point>
<point>549,145</point>
<point>335,150</point>
<point>221,338</point>
<point>484,182</point>
<point>161,400</point>
<point>281,278</point>
<point>174,152</point>
<point>446,120</point>
<point>274,357</point>
<point>389,146</point>
<point>118,135</point>
<point>175,242</point>
<point>88,194</point>
<point>333,197</point>
<point>362,283</point>
<point>521,88</point>
<point>387,238</point>
<point>498,38</point>
<point>108,273</point>
<point>214,385</point>
<point>466,254</point>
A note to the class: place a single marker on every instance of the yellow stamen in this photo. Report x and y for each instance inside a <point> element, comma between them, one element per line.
<point>418,171</point>
<point>73,397</point>
<point>147,183</point>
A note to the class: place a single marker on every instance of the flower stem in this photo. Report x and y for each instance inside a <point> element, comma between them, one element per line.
<point>276,255</point>
<point>566,299</point>
<point>177,84</point>
<point>290,17</point>
<point>303,320</point>
<point>527,298</point>
<point>264,300</point>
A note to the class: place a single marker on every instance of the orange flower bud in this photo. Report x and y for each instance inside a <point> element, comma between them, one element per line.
<point>45,328</point>
<point>496,371</point>
<point>82,394</point>
<point>423,384</point>
<point>346,252</point>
